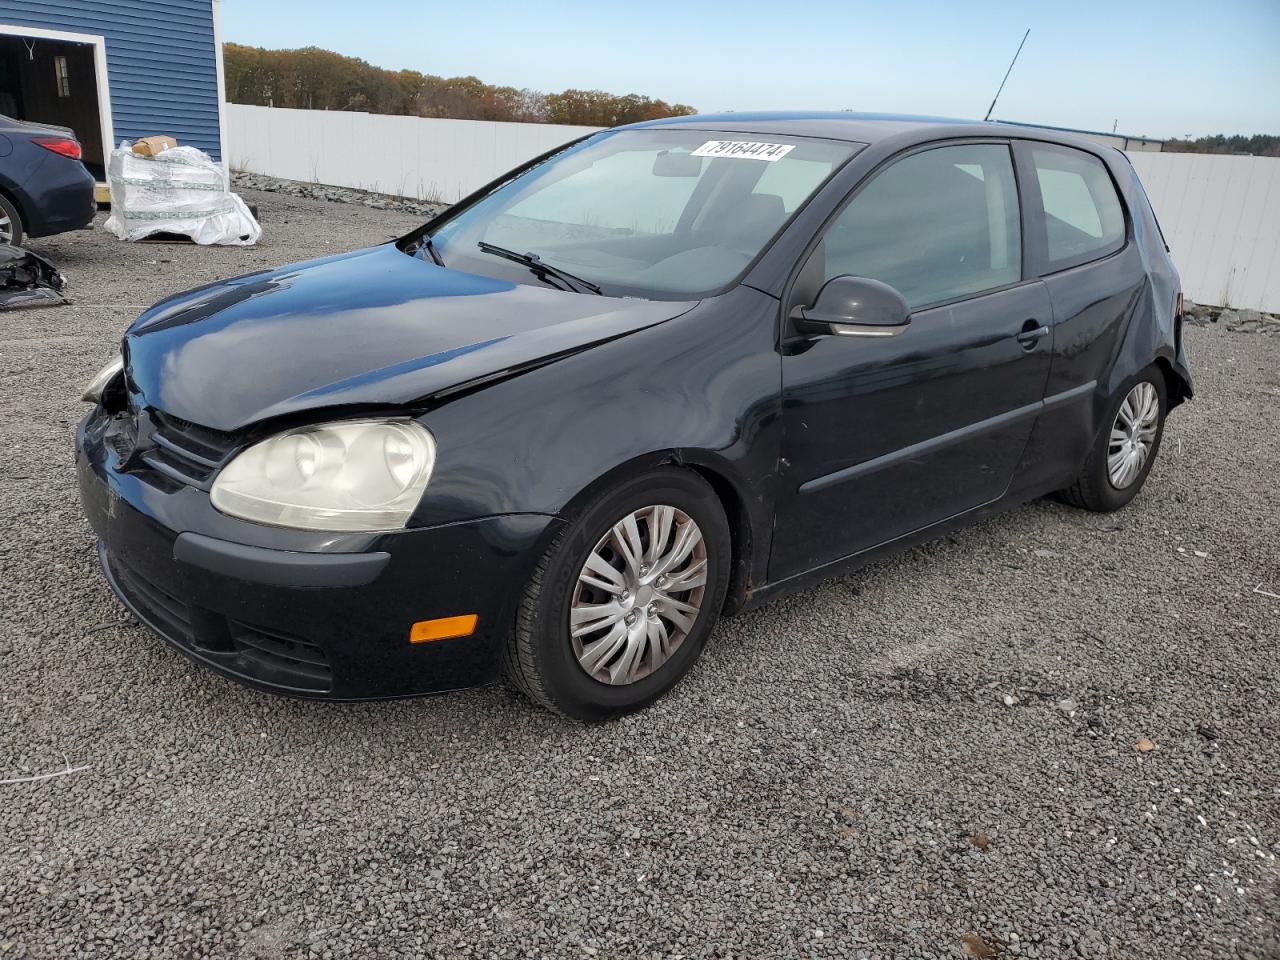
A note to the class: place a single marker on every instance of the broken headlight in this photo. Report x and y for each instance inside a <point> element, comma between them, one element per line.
<point>352,475</point>
<point>93,392</point>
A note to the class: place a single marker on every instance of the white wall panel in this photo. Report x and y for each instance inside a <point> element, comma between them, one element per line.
<point>1221,217</point>
<point>417,157</point>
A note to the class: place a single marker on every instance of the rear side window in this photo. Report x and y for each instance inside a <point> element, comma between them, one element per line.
<point>936,225</point>
<point>1083,216</point>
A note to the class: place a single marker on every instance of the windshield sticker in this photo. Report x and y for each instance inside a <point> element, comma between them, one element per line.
<point>744,150</point>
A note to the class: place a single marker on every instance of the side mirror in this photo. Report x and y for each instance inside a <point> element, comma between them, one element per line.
<point>855,307</point>
<point>668,164</point>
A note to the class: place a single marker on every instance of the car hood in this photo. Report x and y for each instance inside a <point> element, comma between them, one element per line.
<point>373,328</point>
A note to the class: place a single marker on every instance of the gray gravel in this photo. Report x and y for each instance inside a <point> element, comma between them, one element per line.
<point>822,785</point>
<point>258,182</point>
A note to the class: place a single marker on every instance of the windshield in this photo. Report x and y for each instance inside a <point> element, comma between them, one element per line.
<point>661,213</point>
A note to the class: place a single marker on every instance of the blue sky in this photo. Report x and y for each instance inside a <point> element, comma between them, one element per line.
<point>1156,67</point>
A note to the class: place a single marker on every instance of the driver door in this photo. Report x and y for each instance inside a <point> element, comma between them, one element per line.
<point>884,436</point>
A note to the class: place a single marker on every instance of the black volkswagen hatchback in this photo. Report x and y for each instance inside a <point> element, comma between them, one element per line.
<point>657,375</point>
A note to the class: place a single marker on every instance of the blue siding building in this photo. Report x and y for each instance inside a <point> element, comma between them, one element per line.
<point>137,67</point>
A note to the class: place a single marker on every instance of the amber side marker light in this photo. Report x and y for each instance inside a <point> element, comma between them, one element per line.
<point>445,628</point>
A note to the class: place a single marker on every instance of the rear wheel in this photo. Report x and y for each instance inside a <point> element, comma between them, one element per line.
<point>11,229</point>
<point>617,610</point>
<point>1124,451</point>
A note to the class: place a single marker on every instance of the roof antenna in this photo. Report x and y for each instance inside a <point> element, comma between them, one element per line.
<point>1006,76</point>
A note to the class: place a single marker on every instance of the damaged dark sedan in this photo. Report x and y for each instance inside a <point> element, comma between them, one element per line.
<point>644,381</point>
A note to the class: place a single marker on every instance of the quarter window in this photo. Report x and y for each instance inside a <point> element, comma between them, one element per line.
<point>936,225</point>
<point>1082,214</point>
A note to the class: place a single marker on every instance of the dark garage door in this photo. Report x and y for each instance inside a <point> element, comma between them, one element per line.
<point>53,81</point>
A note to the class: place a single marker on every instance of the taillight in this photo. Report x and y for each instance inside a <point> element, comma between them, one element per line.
<point>63,145</point>
<point>1178,307</point>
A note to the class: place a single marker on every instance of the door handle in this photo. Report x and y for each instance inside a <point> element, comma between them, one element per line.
<point>1031,334</point>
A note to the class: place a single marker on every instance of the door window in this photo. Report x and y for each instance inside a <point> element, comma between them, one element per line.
<point>936,225</point>
<point>1082,214</point>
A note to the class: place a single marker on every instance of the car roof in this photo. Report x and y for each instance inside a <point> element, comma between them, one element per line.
<point>867,128</point>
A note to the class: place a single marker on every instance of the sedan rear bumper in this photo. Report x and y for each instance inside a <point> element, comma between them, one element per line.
<point>60,197</point>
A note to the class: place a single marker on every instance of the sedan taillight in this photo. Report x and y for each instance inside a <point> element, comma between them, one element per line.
<point>63,145</point>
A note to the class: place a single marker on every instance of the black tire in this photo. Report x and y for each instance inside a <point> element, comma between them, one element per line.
<point>15,228</point>
<point>1093,489</point>
<point>539,658</point>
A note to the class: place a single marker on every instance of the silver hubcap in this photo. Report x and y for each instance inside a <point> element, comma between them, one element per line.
<point>6,228</point>
<point>1132,435</point>
<point>638,595</point>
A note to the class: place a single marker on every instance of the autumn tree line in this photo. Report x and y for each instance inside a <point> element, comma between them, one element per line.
<point>1259,145</point>
<point>315,79</point>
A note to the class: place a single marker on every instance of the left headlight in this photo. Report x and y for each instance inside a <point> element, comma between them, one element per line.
<point>352,475</point>
<point>93,392</point>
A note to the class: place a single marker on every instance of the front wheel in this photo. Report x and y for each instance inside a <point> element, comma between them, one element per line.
<point>1125,449</point>
<point>618,609</point>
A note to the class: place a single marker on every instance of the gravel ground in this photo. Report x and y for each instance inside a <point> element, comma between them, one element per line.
<point>258,183</point>
<point>937,757</point>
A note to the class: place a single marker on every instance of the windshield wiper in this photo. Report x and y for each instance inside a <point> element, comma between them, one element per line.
<point>541,269</point>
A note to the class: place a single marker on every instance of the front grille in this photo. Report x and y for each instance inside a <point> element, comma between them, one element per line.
<point>166,451</point>
<point>186,452</point>
<point>279,659</point>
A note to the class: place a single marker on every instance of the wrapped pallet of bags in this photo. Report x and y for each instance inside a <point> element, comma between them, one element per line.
<point>179,190</point>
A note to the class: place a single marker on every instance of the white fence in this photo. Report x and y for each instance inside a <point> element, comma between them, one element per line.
<point>416,157</point>
<point>1221,218</point>
<point>1220,215</point>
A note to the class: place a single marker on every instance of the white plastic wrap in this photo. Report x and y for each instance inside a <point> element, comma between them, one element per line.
<point>179,191</point>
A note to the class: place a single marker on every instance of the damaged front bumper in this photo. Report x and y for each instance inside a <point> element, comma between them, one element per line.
<point>303,613</point>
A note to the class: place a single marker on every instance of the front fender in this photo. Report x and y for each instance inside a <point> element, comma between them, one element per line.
<point>702,389</point>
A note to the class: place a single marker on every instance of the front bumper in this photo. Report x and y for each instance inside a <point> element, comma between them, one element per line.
<point>307,615</point>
